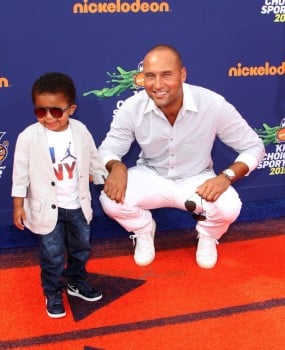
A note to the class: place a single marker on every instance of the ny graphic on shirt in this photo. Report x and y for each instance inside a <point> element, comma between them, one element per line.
<point>61,166</point>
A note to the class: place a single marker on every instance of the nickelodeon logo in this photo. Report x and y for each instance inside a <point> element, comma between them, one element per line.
<point>119,6</point>
<point>266,69</point>
<point>4,82</point>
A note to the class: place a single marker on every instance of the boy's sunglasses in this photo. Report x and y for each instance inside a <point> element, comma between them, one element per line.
<point>56,112</point>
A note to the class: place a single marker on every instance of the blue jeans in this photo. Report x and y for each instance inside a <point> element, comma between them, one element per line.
<point>71,236</point>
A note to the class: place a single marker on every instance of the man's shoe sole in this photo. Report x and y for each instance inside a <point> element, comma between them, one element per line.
<point>203,265</point>
<point>145,263</point>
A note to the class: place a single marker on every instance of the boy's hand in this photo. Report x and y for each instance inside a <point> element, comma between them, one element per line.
<point>19,216</point>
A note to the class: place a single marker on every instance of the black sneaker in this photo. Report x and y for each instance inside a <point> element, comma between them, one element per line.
<point>54,305</point>
<point>84,290</point>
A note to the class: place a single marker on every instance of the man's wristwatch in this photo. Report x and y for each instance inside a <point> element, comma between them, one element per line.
<point>229,174</point>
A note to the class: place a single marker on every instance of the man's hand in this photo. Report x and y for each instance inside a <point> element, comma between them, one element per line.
<point>116,183</point>
<point>211,189</point>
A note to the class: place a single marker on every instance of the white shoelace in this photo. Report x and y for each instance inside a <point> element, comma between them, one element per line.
<point>208,240</point>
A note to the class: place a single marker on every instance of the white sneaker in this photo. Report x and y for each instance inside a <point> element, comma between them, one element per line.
<point>206,254</point>
<point>144,250</point>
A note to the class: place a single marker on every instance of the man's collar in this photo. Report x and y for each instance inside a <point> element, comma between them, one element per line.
<point>188,99</point>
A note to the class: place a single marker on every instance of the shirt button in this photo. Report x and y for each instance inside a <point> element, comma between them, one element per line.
<point>53,206</point>
<point>52,183</point>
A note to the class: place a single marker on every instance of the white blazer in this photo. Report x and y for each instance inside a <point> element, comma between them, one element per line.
<point>34,178</point>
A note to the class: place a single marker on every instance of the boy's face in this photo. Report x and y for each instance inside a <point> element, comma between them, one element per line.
<point>48,100</point>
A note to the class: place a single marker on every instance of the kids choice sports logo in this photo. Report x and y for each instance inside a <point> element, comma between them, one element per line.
<point>120,6</point>
<point>275,8</point>
<point>119,82</point>
<point>274,135</point>
<point>3,151</point>
<point>249,71</point>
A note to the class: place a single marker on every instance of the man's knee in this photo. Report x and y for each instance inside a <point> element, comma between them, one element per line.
<point>110,207</point>
<point>230,211</point>
<point>224,210</point>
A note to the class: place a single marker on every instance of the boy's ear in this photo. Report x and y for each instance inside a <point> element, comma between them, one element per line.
<point>72,109</point>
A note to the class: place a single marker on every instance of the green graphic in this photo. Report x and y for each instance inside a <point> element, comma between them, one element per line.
<point>120,82</point>
<point>270,134</point>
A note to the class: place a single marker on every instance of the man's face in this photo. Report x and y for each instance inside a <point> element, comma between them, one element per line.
<point>163,78</point>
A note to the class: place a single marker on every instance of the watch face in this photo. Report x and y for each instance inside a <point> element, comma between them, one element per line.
<point>230,173</point>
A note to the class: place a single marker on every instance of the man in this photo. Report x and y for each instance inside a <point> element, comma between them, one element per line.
<point>175,124</point>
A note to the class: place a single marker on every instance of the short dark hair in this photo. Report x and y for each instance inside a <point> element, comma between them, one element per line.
<point>170,48</point>
<point>55,83</point>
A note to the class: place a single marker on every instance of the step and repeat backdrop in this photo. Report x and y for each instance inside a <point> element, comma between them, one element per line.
<point>236,48</point>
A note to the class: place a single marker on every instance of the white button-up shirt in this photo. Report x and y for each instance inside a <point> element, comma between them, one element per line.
<point>184,149</point>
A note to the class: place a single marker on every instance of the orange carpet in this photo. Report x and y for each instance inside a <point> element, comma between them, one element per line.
<point>171,304</point>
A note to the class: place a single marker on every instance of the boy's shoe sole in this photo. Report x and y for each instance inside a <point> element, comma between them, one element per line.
<point>56,315</point>
<point>71,290</point>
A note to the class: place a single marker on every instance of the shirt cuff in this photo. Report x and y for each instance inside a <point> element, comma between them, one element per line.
<point>249,160</point>
<point>107,158</point>
<point>19,191</point>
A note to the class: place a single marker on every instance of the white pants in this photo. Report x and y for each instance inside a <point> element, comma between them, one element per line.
<point>146,190</point>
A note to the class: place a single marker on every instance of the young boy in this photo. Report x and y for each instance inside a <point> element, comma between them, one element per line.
<point>52,164</point>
